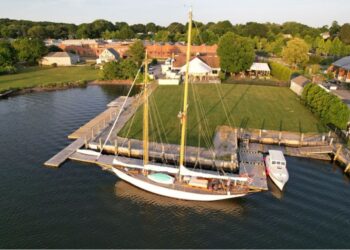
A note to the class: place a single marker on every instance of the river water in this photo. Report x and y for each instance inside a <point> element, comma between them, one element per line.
<point>81,206</point>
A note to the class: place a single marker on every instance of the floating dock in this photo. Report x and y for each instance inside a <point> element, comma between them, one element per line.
<point>63,155</point>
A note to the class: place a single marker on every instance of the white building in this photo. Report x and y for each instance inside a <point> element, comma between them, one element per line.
<point>60,59</point>
<point>201,68</point>
<point>260,69</point>
<point>297,84</point>
<point>108,55</point>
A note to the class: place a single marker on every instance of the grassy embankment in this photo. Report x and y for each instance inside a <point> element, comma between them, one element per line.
<point>261,107</point>
<point>47,77</point>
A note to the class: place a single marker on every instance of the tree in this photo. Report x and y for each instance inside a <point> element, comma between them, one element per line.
<point>236,53</point>
<point>162,36</point>
<point>345,33</point>
<point>97,27</point>
<point>276,47</point>
<point>8,57</point>
<point>176,28</point>
<point>84,31</point>
<point>29,50</point>
<point>136,52</point>
<point>122,70</point>
<point>253,29</point>
<point>125,33</point>
<point>37,31</point>
<point>138,28</point>
<point>221,28</point>
<point>151,27</point>
<point>296,52</point>
<point>334,29</point>
<point>337,47</point>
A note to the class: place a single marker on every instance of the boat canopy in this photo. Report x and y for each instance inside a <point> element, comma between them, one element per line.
<point>276,155</point>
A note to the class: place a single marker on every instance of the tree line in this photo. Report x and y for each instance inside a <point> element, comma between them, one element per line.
<point>329,108</point>
<point>210,32</point>
<point>23,50</point>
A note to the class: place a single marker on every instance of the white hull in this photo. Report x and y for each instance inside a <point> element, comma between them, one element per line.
<point>278,183</point>
<point>172,193</point>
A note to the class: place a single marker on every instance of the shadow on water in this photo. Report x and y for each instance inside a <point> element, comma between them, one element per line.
<point>124,190</point>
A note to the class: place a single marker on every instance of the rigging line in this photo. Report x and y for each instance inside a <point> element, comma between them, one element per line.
<point>206,132</point>
<point>217,87</point>
<point>156,125</point>
<point>131,123</point>
<point>119,114</point>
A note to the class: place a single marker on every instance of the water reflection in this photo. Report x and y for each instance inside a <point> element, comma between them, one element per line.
<point>126,191</point>
<point>275,191</point>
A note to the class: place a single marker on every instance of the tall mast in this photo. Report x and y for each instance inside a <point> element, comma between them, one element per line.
<point>185,104</point>
<point>145,114</point>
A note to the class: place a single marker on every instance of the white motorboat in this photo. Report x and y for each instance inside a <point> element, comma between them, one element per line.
<point>276,166</point>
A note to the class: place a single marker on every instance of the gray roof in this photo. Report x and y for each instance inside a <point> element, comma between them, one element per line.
<point>343,63</point>
<point>301,80</point>
<point>115,53</point>
<point>60,54</point>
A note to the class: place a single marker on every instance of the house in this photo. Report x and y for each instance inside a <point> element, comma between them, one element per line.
<point>297,84</point>
<point>108,55</point>
<point>325,35</point>
<point>287,36</point>
<point>260,70</point>
<point>202,68</point>
<point>60,59</point>
<point>341,69</point>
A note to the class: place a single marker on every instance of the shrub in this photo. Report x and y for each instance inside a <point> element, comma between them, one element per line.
<point>280,71</point>
<point>330,109</point>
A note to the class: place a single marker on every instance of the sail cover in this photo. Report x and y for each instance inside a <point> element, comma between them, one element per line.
<point>210,174</point>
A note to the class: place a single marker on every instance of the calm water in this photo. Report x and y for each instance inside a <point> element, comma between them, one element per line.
<point>80,206</point>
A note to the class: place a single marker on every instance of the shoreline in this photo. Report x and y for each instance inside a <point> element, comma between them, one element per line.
<point>59,86</point>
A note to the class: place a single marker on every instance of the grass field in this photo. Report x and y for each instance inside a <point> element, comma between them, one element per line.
<point>248,106</point>
<point>35,76</point>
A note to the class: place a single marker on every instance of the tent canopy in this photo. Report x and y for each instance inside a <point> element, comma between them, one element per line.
<point>260,67</point>
<point>197,66</point>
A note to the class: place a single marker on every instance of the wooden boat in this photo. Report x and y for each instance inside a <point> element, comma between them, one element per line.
<point>276,166</point>
<point>177,182</point>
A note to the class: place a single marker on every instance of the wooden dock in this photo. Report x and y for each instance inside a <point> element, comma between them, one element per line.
<point>100,122</point>
<point>63,155</point>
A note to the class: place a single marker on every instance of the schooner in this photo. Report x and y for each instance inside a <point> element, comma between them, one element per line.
<point>177,181</point>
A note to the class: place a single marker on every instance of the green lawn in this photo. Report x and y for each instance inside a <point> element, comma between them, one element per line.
<point>35,76</point>
<point>248,106</point>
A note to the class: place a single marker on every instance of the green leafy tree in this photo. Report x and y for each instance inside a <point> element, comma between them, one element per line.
<point>344,33</point>
<point>37,31</point>
<point>236,53</point>
<point>276,47</point>
<point>151,27</point>
<point>121,70</point>
<point>8,56</point>
<point>296,52</point>
<point>221,28</point>
<point>334,29</point>
<point>136,52</point>
<point>29,50</point>
<point>162,36</point>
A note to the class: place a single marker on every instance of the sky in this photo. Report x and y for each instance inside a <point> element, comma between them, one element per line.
<point>311,12</point>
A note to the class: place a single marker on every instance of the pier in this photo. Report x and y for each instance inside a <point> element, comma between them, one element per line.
<point>245,158</point>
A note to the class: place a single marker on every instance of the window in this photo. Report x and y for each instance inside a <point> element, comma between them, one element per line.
<point>274,162</point>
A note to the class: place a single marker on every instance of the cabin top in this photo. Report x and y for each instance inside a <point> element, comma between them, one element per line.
<point>276,155</point>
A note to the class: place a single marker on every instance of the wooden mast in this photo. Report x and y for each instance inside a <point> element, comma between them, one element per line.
<point>185,104</point>
<point>145,115</point>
